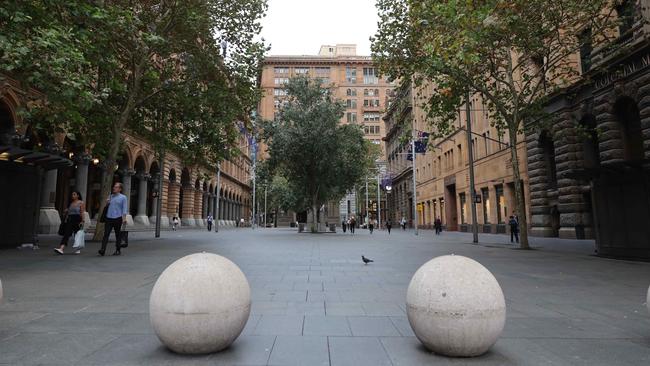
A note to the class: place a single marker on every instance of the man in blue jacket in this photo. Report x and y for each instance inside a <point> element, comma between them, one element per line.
<point>116,213</point>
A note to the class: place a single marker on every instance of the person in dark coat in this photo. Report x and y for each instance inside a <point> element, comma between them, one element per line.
<point>389,225</point>
<point>353,224</point>
<point>514,229</point>
<point>437,224</point>
<point>344,225</point>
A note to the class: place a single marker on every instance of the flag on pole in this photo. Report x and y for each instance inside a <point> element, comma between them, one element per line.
<point>420,145</point>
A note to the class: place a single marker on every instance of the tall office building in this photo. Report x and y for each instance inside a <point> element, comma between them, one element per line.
<point>353,79</point>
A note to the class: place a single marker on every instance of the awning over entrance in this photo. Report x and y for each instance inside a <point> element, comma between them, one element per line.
<point>33,158</point>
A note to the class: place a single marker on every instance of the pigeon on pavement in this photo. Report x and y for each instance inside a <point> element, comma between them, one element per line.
<point>366,260</point>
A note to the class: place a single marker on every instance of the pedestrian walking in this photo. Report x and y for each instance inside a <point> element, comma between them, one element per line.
<point>352,224</point>
<point>210,220</point>
<point>114,216</point>
<point>241,222</point>
<point>371,225</point>
<point>389,225</point>
<point>175,222</point>
<point>437,224</point>
<point>73,221</point>
<point>344,225</point>
<point>514,229</point>
<point>403,223</point>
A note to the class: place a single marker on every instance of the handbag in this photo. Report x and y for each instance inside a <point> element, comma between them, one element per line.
<point>79,239</point>
<point>61,228</point>
<point>102,217</point>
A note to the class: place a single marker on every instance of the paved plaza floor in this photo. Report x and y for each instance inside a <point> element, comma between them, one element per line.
<point>316,303</point>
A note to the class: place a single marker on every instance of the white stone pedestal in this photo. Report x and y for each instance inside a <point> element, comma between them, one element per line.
<point>141,220</point>
<point>48,221</point>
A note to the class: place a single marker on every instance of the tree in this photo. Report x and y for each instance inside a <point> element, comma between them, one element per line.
<point>513,54</point>
<point>320,158</point>
<point>182,71</point>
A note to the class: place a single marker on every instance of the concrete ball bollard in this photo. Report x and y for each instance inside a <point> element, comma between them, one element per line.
<point>200,304</point>
<point>455,306</point>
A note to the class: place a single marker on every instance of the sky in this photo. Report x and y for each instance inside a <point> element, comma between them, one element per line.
<point>300,27</point>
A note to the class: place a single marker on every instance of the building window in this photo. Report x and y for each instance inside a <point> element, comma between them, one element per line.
<point>279,92</point>
<point>371,117</point>
<point>501,204</point>
<point>369,76</point>
<point>626,14</point>
<point>322,71</point>
<point>351,103</point>
<point>463,208</point>
<point>351,75</point>
<point>352,117</point>
<point>586,47</point>
<point>281,81</point>
<point>351,92</point>
<point>371,130</point>
<point>281,70</point>
<point>486,205</point>
<point>301,70</point>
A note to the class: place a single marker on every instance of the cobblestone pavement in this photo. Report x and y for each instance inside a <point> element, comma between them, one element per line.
<point>315,303</point>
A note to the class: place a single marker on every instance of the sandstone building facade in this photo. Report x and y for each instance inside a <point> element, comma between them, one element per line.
<point>442,173</point>
<point>189,192</point>
<point>590,171</point>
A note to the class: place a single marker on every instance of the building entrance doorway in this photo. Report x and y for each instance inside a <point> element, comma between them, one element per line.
<point>451,210</point>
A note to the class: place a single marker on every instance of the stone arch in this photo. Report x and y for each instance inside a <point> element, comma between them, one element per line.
<point>628,117</point>
<point>548,150</point>
<point>172,175</point>
<point>8,121</point>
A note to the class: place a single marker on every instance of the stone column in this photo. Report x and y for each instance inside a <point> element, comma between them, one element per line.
<point>198,209</point>
<point>126,190</point>
<point>81,174</point>
<point>49,219</point>
<point>188,207</point>
<point>141,217</point>
<point>154,201</point>
<point>210,199</point>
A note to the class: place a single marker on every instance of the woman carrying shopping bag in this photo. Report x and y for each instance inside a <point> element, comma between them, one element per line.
<point>73,221</point>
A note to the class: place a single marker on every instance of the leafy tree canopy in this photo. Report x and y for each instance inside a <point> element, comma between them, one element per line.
<point>320,158</point>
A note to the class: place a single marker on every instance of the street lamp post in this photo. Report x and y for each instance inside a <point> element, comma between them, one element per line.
<point>471,167</point>
<point>216,210</point>
<point>378,203</point>
<point>265,214</point>
<point>366,219</point>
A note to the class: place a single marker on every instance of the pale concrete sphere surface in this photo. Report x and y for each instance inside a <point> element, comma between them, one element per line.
<point>647,300</point>
<point>0,291</point>
<point>455,306</point>
<point>200,304</point>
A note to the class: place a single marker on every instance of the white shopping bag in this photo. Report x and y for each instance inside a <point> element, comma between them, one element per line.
<point>79,240</point>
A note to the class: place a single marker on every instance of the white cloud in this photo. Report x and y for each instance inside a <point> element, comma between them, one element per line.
<point>300,27</point>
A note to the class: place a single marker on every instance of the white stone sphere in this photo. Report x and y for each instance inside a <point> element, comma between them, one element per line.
<point>200,304</point>
<point>455,306</point>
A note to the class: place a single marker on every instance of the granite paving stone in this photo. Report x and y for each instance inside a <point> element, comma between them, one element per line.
<point>315,303</point>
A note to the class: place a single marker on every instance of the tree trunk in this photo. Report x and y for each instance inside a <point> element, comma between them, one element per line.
<point>275,217</point>
<point>114,149</point>
<point>314,217</point>
<point>519,192</point>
